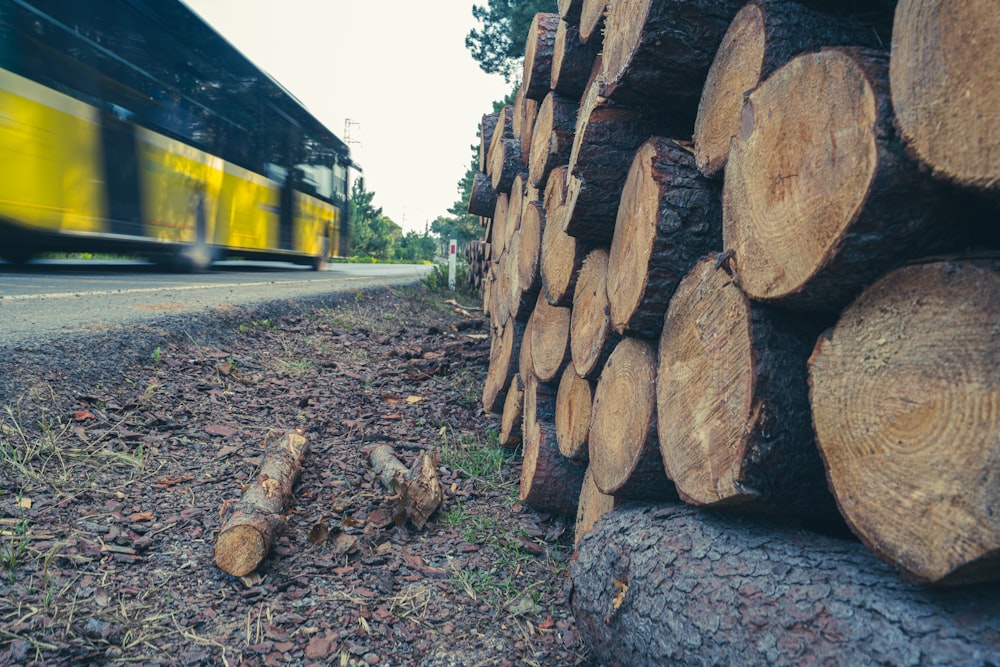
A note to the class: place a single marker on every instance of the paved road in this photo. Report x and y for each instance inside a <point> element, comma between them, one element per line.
<point>52,297</point>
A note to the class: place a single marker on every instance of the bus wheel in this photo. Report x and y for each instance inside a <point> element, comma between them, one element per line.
<point>319,263</point>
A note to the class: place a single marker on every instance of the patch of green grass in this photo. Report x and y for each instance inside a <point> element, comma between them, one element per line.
<point>13,542</point>
<point>483,462</point>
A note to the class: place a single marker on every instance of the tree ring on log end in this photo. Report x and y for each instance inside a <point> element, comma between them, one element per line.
<point>800,172</point>
<point>590,322</point>
<point>705,352</point>
<point>239,550</point>
<point>623,33</point>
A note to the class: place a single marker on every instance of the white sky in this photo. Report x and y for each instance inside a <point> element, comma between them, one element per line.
<point>398,68</point>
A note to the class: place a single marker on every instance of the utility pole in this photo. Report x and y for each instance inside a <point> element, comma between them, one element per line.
<point>348,124</point>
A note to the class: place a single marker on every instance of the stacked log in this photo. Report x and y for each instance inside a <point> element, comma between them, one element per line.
<point>677,332</point>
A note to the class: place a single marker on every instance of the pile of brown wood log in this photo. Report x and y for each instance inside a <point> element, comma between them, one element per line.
<point>745,257</point>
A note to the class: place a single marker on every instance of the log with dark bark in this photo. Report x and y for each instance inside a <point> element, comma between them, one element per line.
<point>569,11</point>
<point>505,349</point>
<point>416,491</point>
<point>561,254</point>
<point>732,400</point>
<point>591,506</point>
<point>538,51</point>
<point>525,110</point>
<point>482,198</point>
<point>657,54</point>
<point>525,366</point>
<point>521,299</point>
<point>258,518</point>
<point>513,413</point>
<point>572,62</point>
<point>549,481</point>
<point>604,143</point>
<point>592,338</point>
<point>486,127</point>
<point>574,400</point>
<point>549,339</point>
<point>670,216</point>
<point>819,198</point>
<point>503,161</point>
<point>906,406</point>
<point>592,17</point>
<point>675,586</point>
<point>946,87</point>
<point>764,36</point>
<point>624,456</point>
<point>552,140</point>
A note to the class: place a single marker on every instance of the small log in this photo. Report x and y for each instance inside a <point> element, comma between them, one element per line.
<point>529,247</point>
<point>592,338</point>
<point>504,349</point>
<point>482,198</point>
<point>674,586</point>
<point>499,231</point>
<point>906,406</point>
<point>515,209</point>
<point>732,400</point>
<point>624,455</point>
<point>486,127</point>
<point>416,491</point>
<point>592,17</point>
<point>657,54</point>
<point>549,482</point>
<point>258,518</point>
<point>549,339</point>
<point>819,198</point>
<point>503,161</point>
<point>670,216</point>
<point>763,36</point>
<point>513,413</point>
<point>604,143</point>
<point>521,300</point>
<point>538,51</point>
<point>591,506</point>
<point>572,62</point>
<point>946,88</point>
<point>561,254</point>
<point>574,400</point>
<point>552,141</point>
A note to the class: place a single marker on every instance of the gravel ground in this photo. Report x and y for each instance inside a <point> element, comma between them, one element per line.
<point>120,451</point>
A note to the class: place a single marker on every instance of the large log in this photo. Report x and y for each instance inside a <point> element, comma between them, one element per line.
<point>733,401</point>
<point>604,142</point>
<point>561,254</point>
<point>624,456</point>
<point>906,406</point>
<point>486,127</point>
<point>549,339</point>
<point>670,216</point>
<point>504,349</point>
<point>657,54</point>
<point>763,36</point>
<point>538,51</point>
<point>819,198</point>
<point>482,198</point>
<point>258,518</point>
<point>946,87</point>
<point>574,400</point>
<point>549,481</point>
<point>503,160</point>
<point>592,338</point>
<point>572,62</point>
<point>674,586</point>
<point>552,139</point>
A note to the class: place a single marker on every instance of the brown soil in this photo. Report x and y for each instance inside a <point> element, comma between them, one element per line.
<point>119,451</point>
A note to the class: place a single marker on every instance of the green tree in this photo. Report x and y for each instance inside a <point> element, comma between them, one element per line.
<point>498,44</point>
<point>375,235</point>
<point>415,247</point>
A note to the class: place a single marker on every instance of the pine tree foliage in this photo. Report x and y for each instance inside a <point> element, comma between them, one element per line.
<point>498,44</point>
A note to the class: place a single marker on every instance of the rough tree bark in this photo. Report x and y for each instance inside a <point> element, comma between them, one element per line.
<point>503,160</point>
<point>906,406</point>
<point>624,456</point>
<point>561,254</point>
<point>946,87</point>
<point>675,586</point>
<point>569,11</point>
<point>592,338</point>
<point>670,216</point>
<point>258,518</point>
<point>549,481</point>
<point>482,198</point>
<point>574,400</point>
<point>657,54</point>
<point>819,198</point>
<point>572,62</point>
<point>733,400</point>
<point>486,127</point>
<point>525,110</point>
<point>763,36</point>
<point>538,51</point>
<point>552,140</point>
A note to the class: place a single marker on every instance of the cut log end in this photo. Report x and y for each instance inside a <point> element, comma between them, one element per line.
<point>240,549</point>
<point>591,335</point>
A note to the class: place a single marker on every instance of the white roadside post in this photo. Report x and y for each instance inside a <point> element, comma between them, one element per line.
<point>452,252</point>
